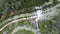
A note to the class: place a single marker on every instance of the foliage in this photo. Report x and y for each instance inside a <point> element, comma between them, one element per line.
<point>10,8</point>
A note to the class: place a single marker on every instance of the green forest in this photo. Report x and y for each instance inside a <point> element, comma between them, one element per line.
<point>15,17</point>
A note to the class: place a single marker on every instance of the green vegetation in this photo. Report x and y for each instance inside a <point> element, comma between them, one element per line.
<point>25,32</point>
<point>10,8</point>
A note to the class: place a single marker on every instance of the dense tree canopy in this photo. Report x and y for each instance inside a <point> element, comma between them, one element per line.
<point>10,8</point>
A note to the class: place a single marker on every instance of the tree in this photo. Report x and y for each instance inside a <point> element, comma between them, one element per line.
<point>10,8</point>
